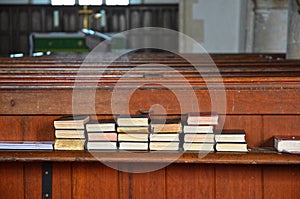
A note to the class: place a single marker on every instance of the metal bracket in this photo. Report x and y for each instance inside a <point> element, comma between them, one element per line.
<point>47,180</point>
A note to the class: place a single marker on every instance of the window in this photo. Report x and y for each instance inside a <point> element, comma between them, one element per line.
<point>90,2</point>
<point>117,2</point>
<point>64,2</point>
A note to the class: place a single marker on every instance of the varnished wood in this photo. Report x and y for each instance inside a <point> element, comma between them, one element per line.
<point>268,157</point>
<point>62,180</point>
<point>193,181</point>
<point>33,180</point>
<point>235,181</point>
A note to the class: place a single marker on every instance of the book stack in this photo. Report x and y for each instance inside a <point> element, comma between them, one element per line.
<point>101,135</point>
<point>70,133</point>
<point>165,136</point>
<point>133,132</point>
<point>199,131</point>
<point>231,141</point>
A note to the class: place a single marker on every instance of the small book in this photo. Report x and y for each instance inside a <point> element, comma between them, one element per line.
<point>231,147</point>
<point>101,145</point>
<point>133,129</point>
<point>71,122</point>
<point>289,144</point>
<point>69,144</point>
<point>230,136</point>
<point>100,126</point>
<point>26,145</point>
<point>133,146</point>
<point>170,126</point>
<point>164,146</point>
<point>133,120</point>
<point>199,138</point>
<point>196,118</point>
<point>199,146</point>
<point>133,137</point>
<point>198,129</point>
<point>170,137</point>
<point>70,133</point>
<point>100,136</point>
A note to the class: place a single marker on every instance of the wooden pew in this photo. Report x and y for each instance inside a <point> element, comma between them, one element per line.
<point>262,97</point>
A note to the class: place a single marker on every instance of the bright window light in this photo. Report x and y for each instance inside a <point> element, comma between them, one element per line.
<point>117,2</point>
<point>64,2</point>
<point>90,2</point>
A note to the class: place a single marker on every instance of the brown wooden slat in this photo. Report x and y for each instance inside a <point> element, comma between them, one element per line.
<point>258,157</point>
<point>251,124</point>
<point>142,185</point>
<point>281,182</point>
<point>11,181</point>
<point>190,181</point>
<point>235,181</point>
<point>33,180</point>
<point>280,125</point>
<point>94,180</point>
<point>61,180</point>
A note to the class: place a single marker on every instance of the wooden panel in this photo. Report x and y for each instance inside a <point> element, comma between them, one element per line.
<point>234,181</point>
<point>238,102</point>
<point>11,181</point>
<point>61,180</point>
<point>39,128</point>
<point>190,181</point>
<point>33,180</point>
<point>11,128</point>
<point>94,180</point>
<point>251,124</point>
<point>280,125</point>
<point>142,185</point>
<point>282,182</point>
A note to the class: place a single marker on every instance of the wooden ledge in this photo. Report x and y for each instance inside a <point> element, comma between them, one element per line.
<point>273,158</point>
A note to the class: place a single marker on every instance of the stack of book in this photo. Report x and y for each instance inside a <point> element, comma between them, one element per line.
<point>231,141</point>
<point>101,135</point>
<point>165,136</point>
<point>199,131</point>
<point>133,132</point>
<point>70,133</point>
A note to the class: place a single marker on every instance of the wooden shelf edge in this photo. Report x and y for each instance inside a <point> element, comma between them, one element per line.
<point>150,157</point>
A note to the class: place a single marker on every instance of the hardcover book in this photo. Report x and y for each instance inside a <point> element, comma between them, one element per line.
<point>101,145</point>
<point>133,129</point>
<point>164,146</point>
<point>290,144</point>
<point>199,138</point>
<point>71,122</point>
<point>100,136</point>
<point>198,129</point>
<point>199,146</point>
<point>69,144</point>
<point>231,147</point>
<point>230,136</point>
<point>196,118</point>
<point>133,146</point>
<point>133,137</point>
<point>70,133</point>
<point>133,120</point>
<point>164,137</point>
<point>22,145</point>
<point>101,126</point>
<point>170,126</point>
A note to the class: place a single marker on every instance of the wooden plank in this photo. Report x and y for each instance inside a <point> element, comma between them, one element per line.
<point>281,181</point>
<point>251,124</point>
<point>280,125</point>
<point>11,128</point>
<point>142,185</point>
<point>242,102</point>
<point>253,157</point>
<point>236,181</point>
<point>11,181</point>
<point>94,180</point>
<point>61,180</point>
<point>190,181</point>
<point>33,180</point>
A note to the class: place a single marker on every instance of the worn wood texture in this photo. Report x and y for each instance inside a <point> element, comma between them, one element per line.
<point>11,181</point>
<point>193,181</point>
<point>142,185</point>
<point>33,180</point>
<point>94,180</point>
<point>281,182</point>
<point>234,181</point>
